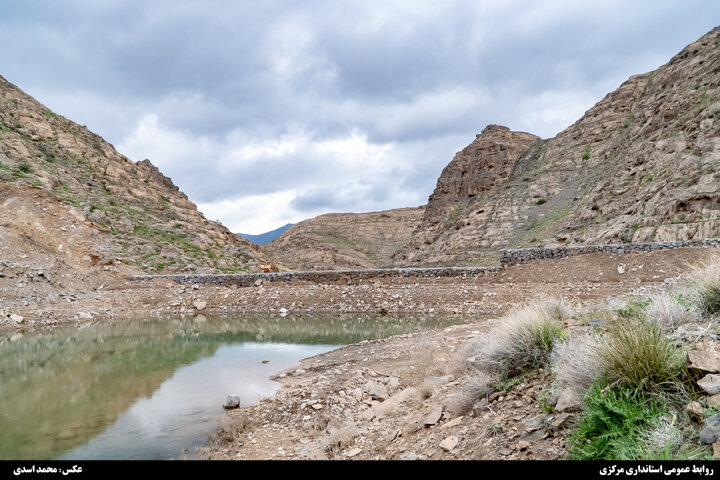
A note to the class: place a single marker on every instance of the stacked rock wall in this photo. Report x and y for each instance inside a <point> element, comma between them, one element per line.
<point>523,255</point>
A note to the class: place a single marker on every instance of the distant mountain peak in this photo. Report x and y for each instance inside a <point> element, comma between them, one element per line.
<point>266,237</point>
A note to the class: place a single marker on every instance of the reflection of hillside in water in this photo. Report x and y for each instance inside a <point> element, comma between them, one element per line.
<point>61,387</point>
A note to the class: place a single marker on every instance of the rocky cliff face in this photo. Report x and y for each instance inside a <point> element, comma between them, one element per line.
<point>345,240</point>
<point>641,165</point>
<point>145,221</point>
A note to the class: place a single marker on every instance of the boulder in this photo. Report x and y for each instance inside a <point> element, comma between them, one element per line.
<point>704,357</point>
<point>232,401</point>
<point>709,434</point>
<point>710,383</point>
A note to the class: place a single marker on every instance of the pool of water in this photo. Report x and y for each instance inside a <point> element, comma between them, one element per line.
<point>152,389</point>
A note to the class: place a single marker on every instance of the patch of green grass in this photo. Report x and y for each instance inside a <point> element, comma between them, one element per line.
<point>634,309</point>
<point>614,423</point>
<point>49,114</point>
<point>456,214</point>
<point>25,167</point>
<point>586,155</point>
<point>508,383</point>
<point>541,201</point>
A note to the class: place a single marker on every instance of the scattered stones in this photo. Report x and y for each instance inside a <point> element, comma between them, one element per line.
<point>709,434</point>
<point>232,401</point>
<point>569,401</point>
<point>84,315</point>
<point>200,319</point>
<point>704,357</point>
<point>505,452</point>
<point>449,443</point>
<point>434,417</point>
<point>17,318</point>
<point>199,304</point>
<point>265,361</point>
<point>317,406</point>
<point>713,401</point>
<point>710,383</point>
<point>258,282</point>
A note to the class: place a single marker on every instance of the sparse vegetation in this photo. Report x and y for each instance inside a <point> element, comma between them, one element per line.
<point>586,155</point>
<point>541,201</point>
<point>524,339</point>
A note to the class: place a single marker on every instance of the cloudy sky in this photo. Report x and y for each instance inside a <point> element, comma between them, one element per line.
<point>268,112</point>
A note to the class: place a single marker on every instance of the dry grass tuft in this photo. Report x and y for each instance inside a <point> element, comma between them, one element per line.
<point>475,386</point>
<point>575,362</point>
<point>706,280</point>
<point>524,338</point>
<point>636,352</point>
<point>339,439</point>
<point>231,428</point>
<point>669,311</point>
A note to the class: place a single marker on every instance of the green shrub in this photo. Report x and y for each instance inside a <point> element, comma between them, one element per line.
<point>615,422</point>
<point>637,353</point>
<point>586,155</point>
<point>541,201</point>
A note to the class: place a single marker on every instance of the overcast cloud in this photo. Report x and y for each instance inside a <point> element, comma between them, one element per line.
<point>272,112</point>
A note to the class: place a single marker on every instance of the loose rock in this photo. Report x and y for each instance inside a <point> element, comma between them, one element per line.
<point>434,416</point>
<point>704,357</point>
<point>710,383</point>
<point>449,443</point>
<point>232,401</point>
<point>710,433</point>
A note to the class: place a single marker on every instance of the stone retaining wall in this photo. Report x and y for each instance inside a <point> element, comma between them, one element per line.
<point>522,255</point>
<point>507,257</point>
<point>324,276</point>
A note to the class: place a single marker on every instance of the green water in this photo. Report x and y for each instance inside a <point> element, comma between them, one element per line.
<point>149,389</point>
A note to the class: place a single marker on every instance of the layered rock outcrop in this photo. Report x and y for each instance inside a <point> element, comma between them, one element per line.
<point>145,221</point>
<point>641,165</point>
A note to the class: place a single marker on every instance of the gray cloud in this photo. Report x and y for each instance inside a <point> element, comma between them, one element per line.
<point>256,98</point>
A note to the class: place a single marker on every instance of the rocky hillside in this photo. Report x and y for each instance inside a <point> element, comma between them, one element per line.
<point>141,218</point>
<point>345,240</point>
<point>641,165</point>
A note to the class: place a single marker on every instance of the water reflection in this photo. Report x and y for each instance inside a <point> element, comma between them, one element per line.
<point>146,389</point>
